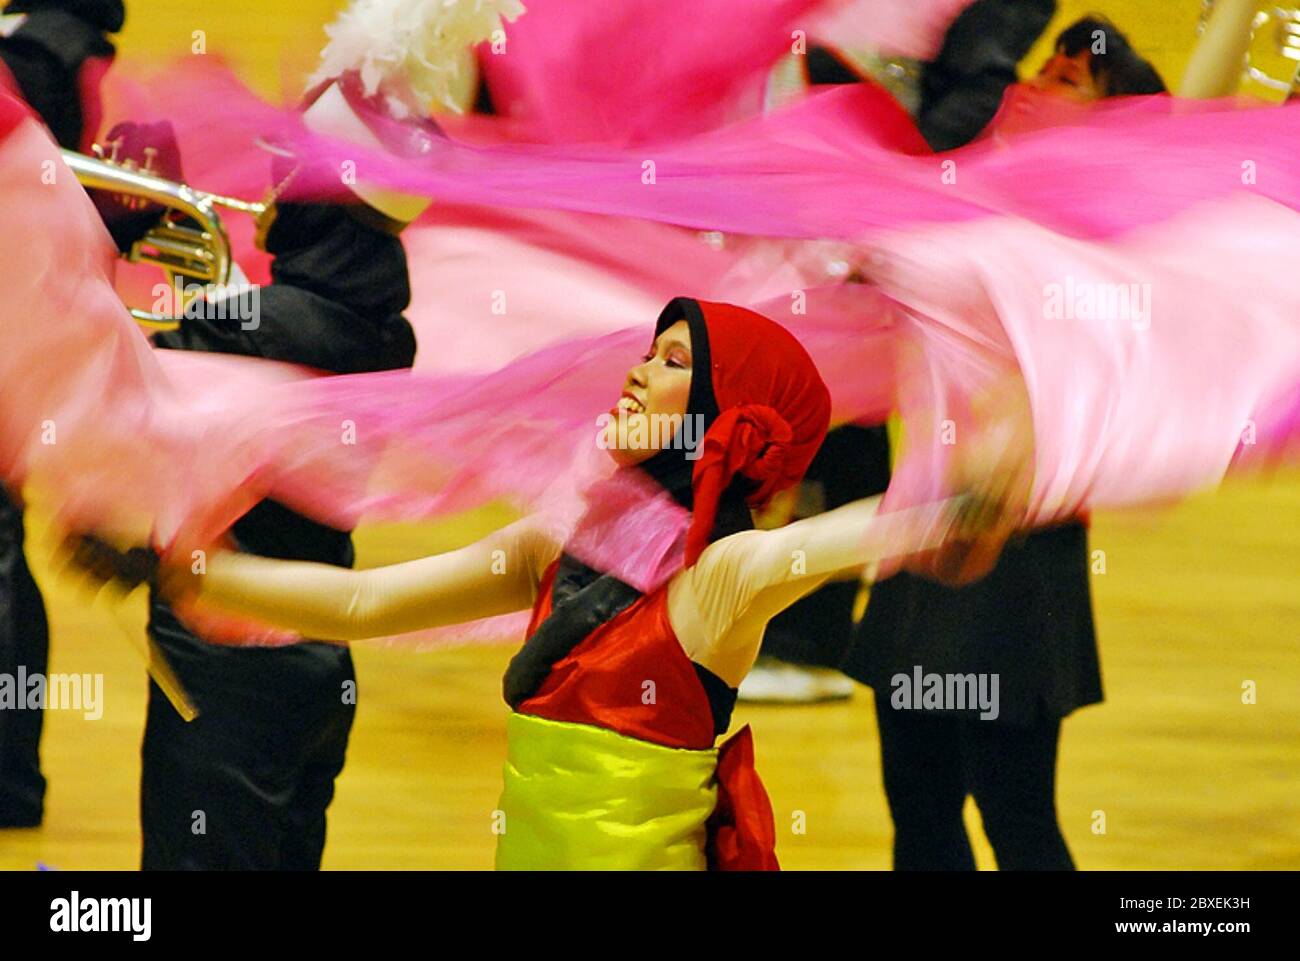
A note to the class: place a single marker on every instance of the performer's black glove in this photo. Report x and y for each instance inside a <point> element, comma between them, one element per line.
<point>108,564</point>
<point>147,148</point>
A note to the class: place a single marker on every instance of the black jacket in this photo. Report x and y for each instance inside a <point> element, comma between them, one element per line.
<point>962,87</point>
<point>335,301</point>
<point>46,54</point>
<point>1029,622</point>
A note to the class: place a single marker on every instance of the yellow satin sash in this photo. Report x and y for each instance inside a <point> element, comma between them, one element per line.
<point>579,797</point>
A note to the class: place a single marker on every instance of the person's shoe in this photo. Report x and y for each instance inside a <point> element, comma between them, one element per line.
<point>776,682</point>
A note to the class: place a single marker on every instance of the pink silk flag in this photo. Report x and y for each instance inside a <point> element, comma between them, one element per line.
<point>1117,416</point>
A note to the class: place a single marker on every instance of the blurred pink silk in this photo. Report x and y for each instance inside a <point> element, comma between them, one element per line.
<point>178,445</point>
<point>840,164</point>
<point>973,284</point>
<point>904,28</point>
<point>1151,362</point>
<point>649,71</point>
<point>638,71</point>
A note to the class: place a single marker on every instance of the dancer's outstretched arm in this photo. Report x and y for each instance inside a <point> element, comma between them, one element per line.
<point>742,581</point>
<point>495,575</point>
<point>720,606</point>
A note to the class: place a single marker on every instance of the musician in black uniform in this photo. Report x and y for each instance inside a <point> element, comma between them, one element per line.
<point>247,783</point>
<point>1028,622</point>
<point>52,57</point>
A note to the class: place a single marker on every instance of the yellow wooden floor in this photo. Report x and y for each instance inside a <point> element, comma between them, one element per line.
<point>1194,601</point>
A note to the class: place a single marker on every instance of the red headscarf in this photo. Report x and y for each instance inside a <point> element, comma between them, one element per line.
<point>768,406</point>
<point>766,411</point>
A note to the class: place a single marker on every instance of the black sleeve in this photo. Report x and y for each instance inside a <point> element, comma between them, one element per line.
<point>45,56</point>
<point>338,289</point>
<point>286,323</point>
<point>963,86</point>
<point>956,118</point>
<point>219,331</point>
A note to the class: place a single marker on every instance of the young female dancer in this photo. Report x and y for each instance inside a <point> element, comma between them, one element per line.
<point>618,696</point>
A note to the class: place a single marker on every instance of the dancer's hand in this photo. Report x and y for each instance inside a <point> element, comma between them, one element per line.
<point>996,471</point>
<point>105,565</point>
<point>148,148</point>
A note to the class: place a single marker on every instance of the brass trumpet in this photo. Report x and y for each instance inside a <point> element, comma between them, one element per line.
<point>181,249</point>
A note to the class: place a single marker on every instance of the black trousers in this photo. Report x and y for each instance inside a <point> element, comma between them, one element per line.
<point>931,761</point>
<point>25,642</point>
<point>245,785</point>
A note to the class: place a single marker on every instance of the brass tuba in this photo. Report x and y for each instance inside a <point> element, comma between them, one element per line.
<point>199,250</point>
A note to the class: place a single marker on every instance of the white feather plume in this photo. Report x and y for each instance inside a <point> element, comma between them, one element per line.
<point>423,43</point>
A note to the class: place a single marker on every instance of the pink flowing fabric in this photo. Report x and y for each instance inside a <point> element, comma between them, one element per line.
<point>476,271</point>
<point>1150,362</point>
<point>1117,419</point>
<point>486,281</point>
<point>134,444</point>
<point>490,285</point>
<point>648,71</point>
<point>180,444</point>
<point>817,169</point>
<point>920,285</point>
<point>639,71</point>
<point>903,28</point>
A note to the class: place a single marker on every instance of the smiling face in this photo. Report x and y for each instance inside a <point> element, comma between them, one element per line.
<point>655,398</point>
<point>1069,77</point>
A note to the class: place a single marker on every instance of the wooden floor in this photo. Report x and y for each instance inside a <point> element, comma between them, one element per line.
<point>1194,602</point>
